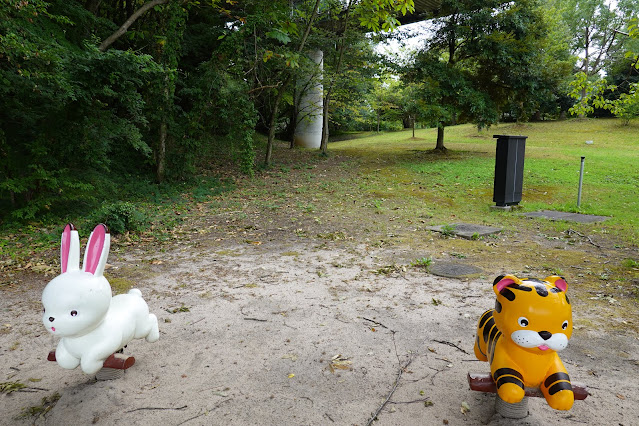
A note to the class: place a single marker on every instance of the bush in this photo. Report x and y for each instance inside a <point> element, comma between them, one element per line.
<point>121,217</point>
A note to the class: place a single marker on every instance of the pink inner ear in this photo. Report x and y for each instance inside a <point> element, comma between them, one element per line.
<point>561,284</point>
<point>503,283</point>
<point>94,249</point>
<point>66,246</point>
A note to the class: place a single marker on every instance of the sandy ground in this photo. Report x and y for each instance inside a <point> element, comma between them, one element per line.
<point>296,331</point>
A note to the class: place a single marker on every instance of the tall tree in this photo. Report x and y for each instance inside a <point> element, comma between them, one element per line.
<point>481,58</point>
<point>375,16</point>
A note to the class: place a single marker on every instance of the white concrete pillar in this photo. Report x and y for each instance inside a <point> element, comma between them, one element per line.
<point>308,131</point>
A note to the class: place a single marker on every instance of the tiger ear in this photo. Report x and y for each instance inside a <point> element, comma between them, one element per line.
<point>503,281</point>
<point>559,282</point>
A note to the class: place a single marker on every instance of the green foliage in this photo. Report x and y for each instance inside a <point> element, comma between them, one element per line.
<point>484,60</point>
<point>38,411</point>
<point>589,94</point>
<point>448,230</point>
<point>68,113</point>
<point>630,264</point>
<point>120,217</point>
<point>626,107</point>
<point>9,387</point>
<point>423,262</point>
<point>378,15</point>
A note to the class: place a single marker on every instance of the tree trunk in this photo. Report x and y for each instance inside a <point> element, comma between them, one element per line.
<point>92,6</point>
<point>160,153</point>
<point>324,143</point>
<point>280,93</point>
<point>440,138</point>
<point>273,121</point>
<point>412,120</point>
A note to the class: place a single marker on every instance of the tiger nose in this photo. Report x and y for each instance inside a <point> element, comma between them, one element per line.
<point>51,319</point>
<point>545,335</point>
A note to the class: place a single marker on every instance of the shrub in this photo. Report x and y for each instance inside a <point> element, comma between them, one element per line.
<point>121,217</point>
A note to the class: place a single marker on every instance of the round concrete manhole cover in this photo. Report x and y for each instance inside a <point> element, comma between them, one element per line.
<point>453,269</point>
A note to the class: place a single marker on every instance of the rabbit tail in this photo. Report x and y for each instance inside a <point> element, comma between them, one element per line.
<point>154,333</point>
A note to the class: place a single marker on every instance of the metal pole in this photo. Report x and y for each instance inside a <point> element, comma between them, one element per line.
<point>581,181</point>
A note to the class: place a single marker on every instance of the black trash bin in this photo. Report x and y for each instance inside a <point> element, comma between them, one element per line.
<point>509,169</point>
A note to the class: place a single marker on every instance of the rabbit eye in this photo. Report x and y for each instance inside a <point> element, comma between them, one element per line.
<point>74,313</point>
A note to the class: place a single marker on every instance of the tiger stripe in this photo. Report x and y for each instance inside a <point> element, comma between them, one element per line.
<point>557,382</point>
<point>555,378</point>
<point>559,386</point>
<point>508,375</point>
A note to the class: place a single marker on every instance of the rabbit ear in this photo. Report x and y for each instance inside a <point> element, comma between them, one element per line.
<point>70,249</point>
<point>97,250</point>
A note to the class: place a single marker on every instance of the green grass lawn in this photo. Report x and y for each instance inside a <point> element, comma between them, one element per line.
<point>461,181</point>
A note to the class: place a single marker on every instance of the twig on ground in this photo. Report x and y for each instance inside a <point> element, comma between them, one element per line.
<point>255,319</point>
<point>329,417</point>
<point>432,379</point>
<point>205,412</point>
<point>395,346</point>
<point>158,408</point>
<point>401,370</point>
<point>572,231</point>
<point>410,402</point>
<point>376,323</point>
<point>443,342</point>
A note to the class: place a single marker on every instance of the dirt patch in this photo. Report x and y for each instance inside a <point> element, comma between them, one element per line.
<point>310,313</point>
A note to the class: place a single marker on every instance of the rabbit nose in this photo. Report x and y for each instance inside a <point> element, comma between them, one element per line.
<point>51,319</point>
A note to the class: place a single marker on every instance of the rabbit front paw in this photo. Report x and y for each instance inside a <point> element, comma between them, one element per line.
<point>64,357</point>
<point>91,365</point>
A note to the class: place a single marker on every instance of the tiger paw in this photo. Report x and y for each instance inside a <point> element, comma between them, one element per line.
<point>562,400</point>
<point>511,393</point>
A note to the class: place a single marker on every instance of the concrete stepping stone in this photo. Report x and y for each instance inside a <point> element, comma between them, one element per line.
<point>572,217</point>
<point>453,269</point>
<point>466,230</point>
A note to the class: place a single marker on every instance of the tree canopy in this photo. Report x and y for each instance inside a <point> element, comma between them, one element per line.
<point>100,98</point>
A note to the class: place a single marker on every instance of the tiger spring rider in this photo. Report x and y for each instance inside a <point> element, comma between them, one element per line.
<point>78,308</point>
<point>520,338</point>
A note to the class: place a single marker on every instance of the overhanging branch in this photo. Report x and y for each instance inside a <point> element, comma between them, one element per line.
<point>123,29</point>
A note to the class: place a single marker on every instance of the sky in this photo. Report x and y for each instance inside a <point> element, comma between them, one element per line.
<point>412,37</point>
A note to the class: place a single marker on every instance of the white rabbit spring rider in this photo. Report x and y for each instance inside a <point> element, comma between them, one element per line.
<point>79,309</point>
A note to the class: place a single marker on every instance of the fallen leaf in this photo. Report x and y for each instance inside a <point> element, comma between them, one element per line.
<point>465,407</point>
<point>31,379</point>
<point>339,362</point>
<point>292,357</point>
<point>290,376</point>
<point>620,396</point>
